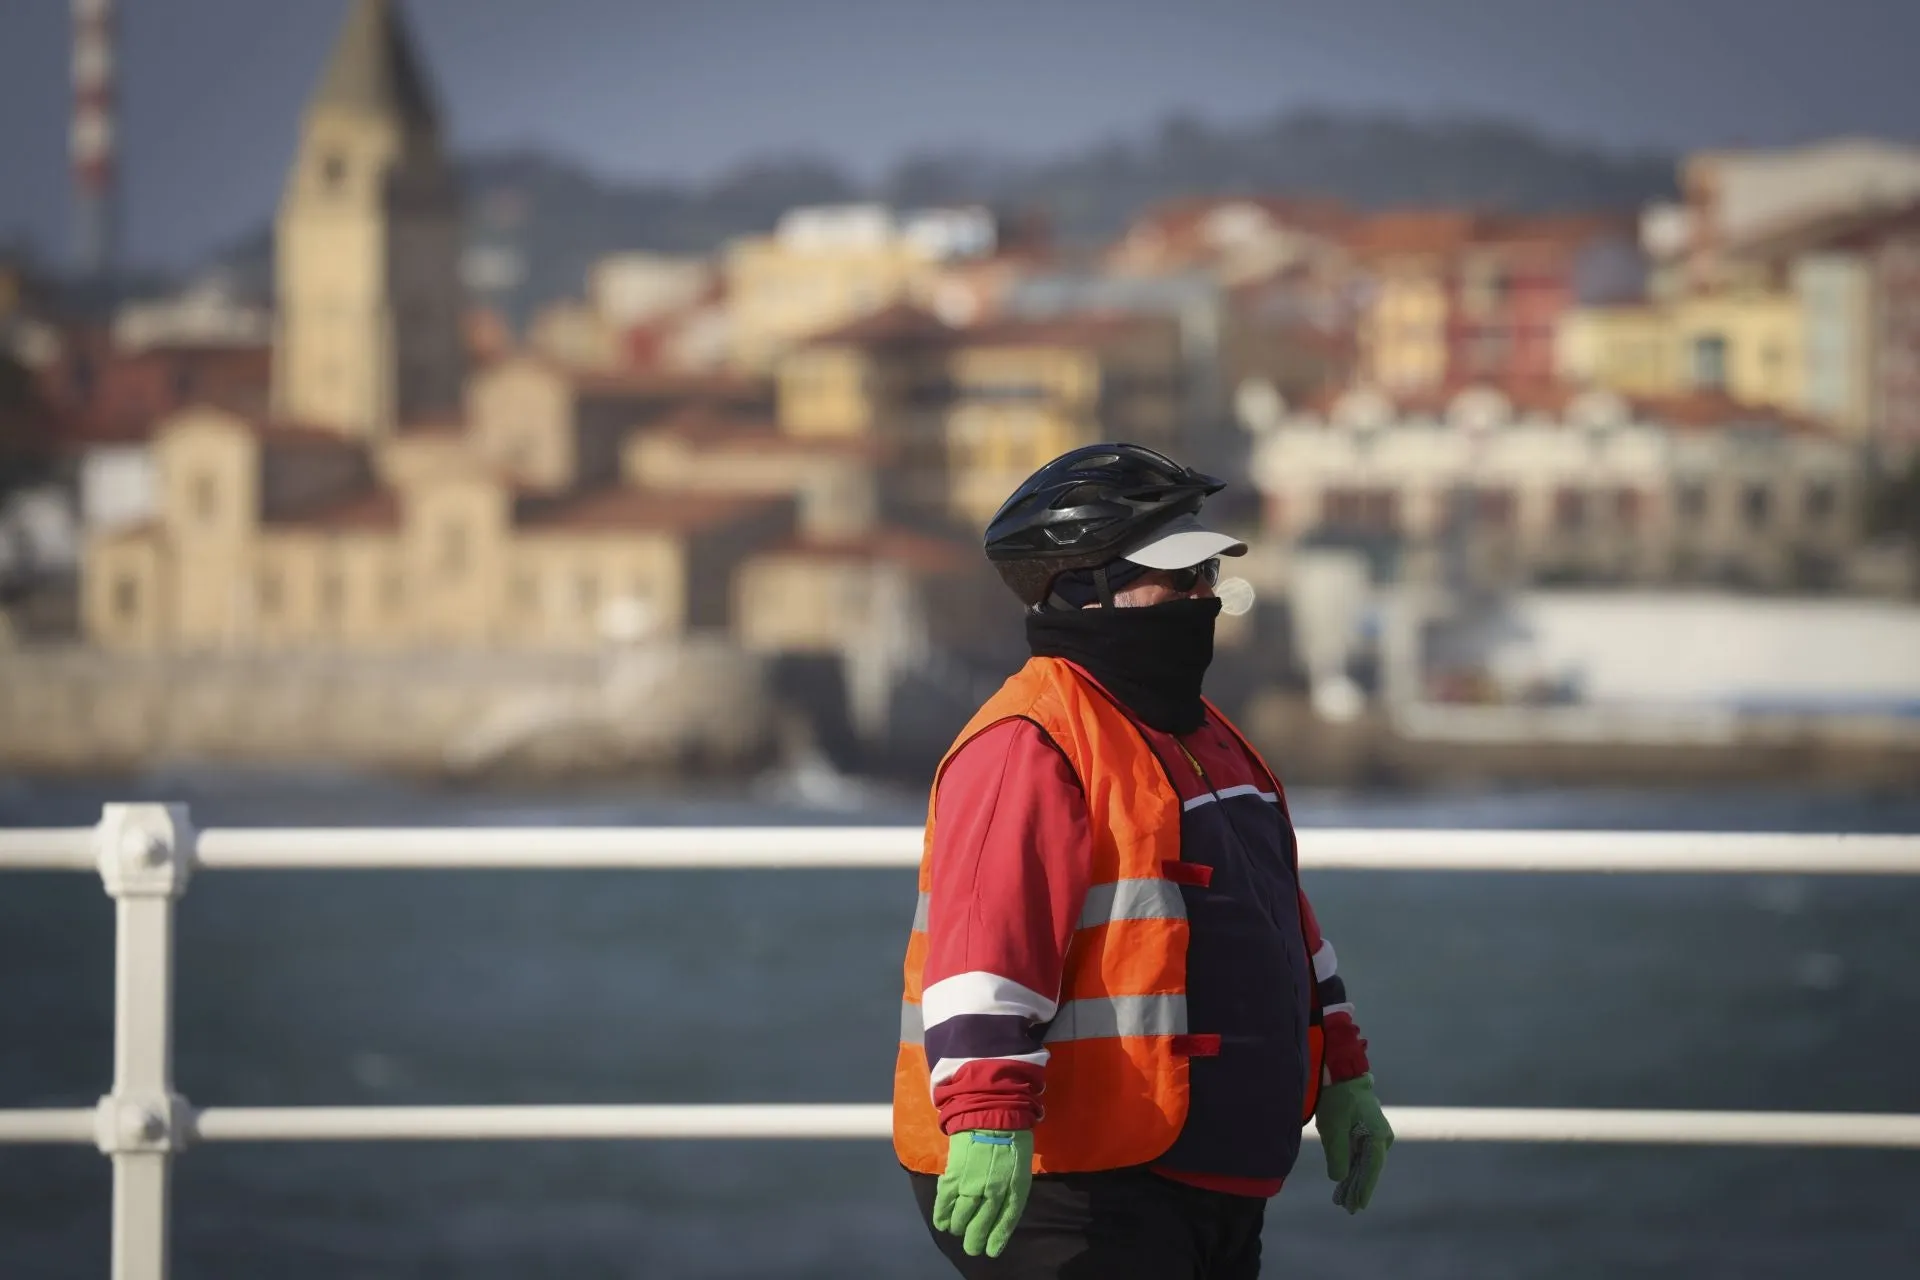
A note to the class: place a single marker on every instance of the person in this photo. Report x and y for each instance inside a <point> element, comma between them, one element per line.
<point>1119,1009</point>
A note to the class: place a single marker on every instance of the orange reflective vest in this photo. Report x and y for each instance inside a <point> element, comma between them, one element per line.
<point>1117,1090</point>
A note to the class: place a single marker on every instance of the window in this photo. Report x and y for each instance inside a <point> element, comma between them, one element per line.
<point>1361,509</point>
<point>268,593</point>
<point>1626,506</point>
<point>126,597</point>
<point>1494,507</point>
<point>206,497</point>
<point>1710,362</point>
<point>333,171</point>
<point>1569,509</point>
<point>1755,503</point>
<point>1821,501</point>
<point>1693,501</point>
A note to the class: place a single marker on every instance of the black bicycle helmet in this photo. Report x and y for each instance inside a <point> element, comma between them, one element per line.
<point>1085,508</point>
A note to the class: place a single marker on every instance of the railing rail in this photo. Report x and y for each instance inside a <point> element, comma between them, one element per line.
<point>870,1120</point>
<point>814,848</point>
<point>145,855</point>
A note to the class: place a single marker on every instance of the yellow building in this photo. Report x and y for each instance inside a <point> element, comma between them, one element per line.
<point>1629,349</point>
<point>1024,392</point>
<point>278,538</point>
<point>1404,333</point>
<point>1408,259</point>
<point>966,414</point>
<point>826,267</point>
<point>1749,346</point>
<point>821,269</point>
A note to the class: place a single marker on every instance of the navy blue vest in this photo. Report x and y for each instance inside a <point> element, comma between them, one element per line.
<point>1249,981</point>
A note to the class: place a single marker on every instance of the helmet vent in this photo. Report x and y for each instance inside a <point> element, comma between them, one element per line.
<point>1063,535</point>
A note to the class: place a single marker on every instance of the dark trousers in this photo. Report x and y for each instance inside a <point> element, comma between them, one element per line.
<point>1125,1224</point>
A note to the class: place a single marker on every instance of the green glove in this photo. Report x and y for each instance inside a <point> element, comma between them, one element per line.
<point>984,1190</point>
<point>1356,1136</point>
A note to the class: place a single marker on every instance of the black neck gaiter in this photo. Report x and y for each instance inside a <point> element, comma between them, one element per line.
<point>1152,659</point>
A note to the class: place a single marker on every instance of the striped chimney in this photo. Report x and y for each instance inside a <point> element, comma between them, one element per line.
<point>93,135</point>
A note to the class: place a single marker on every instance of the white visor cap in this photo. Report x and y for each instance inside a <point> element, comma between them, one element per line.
<point>1183,543</point>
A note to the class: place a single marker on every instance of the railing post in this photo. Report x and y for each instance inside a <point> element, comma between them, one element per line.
<point>145,852</point>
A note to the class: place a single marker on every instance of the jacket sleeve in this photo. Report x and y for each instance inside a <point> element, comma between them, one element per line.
<point>1346,1052</point>
<point>1010,866</point>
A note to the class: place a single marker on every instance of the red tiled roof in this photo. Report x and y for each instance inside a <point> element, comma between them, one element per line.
<point>637,510</point>
<point>1565,230</point>
<point>1441,231</point>
<point>76,431</point>
<point>1705,410</point>
<point>1409,231</point>
<point>106,394</point>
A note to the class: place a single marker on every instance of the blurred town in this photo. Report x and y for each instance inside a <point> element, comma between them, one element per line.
<point>1628,493</point>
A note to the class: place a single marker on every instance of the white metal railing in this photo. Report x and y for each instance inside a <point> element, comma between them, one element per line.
<point>145,855</point>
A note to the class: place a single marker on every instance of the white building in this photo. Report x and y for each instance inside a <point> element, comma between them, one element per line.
<point>211,312</point>
<point>1599,493</point>
<point>633,288</point>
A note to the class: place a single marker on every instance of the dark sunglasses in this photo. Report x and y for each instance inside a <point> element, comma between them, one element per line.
<point>1190,578</point>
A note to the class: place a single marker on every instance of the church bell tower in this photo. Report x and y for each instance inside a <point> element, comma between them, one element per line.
<point>367,244</point>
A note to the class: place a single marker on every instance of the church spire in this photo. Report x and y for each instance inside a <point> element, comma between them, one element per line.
<point>375,71</point>
<point>368,244</point>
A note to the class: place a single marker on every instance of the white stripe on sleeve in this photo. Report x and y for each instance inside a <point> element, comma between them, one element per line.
<point>982,992</point>
<point>1325,965</point>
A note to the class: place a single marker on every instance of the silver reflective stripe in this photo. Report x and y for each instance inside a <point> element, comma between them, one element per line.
<point>1143,899</point>
<point>1119,1016</point>
<point>1096,1019</point>
<point>1153,899</point>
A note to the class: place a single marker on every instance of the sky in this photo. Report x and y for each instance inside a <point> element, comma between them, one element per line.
<point>212,89</point>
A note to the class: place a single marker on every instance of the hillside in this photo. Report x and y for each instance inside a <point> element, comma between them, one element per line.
<point>557,217</point>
